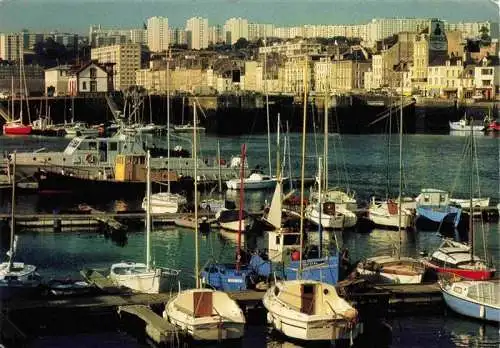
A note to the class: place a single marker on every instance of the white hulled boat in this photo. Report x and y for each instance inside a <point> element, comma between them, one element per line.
<point>80,129</point>
<point>385,213</point>
<point>256,181</point>
<point>144,277</point>
<point>310,310</point>
<point>475,299</point>
<point>165,202</point>
<point>206,315</point>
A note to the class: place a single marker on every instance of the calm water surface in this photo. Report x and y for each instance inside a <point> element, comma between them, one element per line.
<point>358,161</point>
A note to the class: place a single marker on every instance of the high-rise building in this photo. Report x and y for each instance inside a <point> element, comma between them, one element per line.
<point>127,60</point>
<point>216,34</point>
<point>197,33</point>
<point>11,46</point>
<point>158,34</point>
<point>234,29</point>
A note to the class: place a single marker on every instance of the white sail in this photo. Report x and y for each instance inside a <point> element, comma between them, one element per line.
<point>274,215</point>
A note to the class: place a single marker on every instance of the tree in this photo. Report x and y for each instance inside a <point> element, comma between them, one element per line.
<point>241,43</point>
<point>484,36</point>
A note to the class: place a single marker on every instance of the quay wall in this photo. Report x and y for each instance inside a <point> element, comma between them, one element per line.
<point>246,114</point>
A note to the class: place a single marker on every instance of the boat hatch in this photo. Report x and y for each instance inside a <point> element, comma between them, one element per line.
<point>457,289</point>
<point>202,304</point>
<point>307,294</point>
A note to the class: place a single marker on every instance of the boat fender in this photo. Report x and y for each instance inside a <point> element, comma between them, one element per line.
<point>277,324</point>
<point>90,158</point>
<point>269,318</point>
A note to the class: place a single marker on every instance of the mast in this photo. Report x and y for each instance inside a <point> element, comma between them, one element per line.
<point>278,147</point>
<point>168,120</point>
<point>320,229</point>
<point>289,157</point>
<point>400,166</point>
<point>242,196</point>
<point>148,210</point>
<point>195,156</point>
<point>471,183</point>
<point>12,208</point>
<point>325,145</point>
<point>302,170</point>
<point>267,114</point>
<point>220,170</point>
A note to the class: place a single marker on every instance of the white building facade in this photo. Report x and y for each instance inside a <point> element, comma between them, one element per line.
<point>158,34</point>
<point>234,29</point>
<point>197,33</point>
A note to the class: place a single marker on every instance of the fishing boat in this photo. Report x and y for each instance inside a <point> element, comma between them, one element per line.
<point>205,314</point>
<point>474,299</point>
<point>16,278</point>
<point>465,124</point>
<point>144,277</point>
<point>435,211</point>
<point>394,268</point>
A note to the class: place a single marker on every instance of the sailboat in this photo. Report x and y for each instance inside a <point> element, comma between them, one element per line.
<point>308,309</point>
<point>144,277</point>
<point>211,204</point>
<point>394,268</point>
<point>167,202</point>
<point>16,278</point>
<point>14,126</point>
<point>206,314</point>
<point>331,208</point>
<point>385,213</point>
<point>458,258</point>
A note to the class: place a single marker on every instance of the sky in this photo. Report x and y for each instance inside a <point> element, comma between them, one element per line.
<point>78,15</point>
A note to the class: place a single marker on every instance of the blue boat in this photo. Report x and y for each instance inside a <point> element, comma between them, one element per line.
<point>323,269</point>
<point>434,210</point>
<point>475,299</point>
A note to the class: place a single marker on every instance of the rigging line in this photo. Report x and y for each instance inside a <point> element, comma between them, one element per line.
<point>314,130</point>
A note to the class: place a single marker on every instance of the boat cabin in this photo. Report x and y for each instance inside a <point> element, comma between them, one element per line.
<point>433,198</point>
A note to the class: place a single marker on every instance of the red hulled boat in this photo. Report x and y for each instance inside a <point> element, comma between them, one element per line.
<point>494,126</point>
<point>16,128</point>
<point>454,257</point>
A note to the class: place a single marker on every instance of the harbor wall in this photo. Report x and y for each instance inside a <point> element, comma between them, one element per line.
<point>246,114</point>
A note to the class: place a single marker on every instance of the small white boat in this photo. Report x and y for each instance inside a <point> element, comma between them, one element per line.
<point>475,299</point>
<point>482,202</point>
<point>165,202</point>
<point>391,269</point>
<point>330,216</point>
<point>207,315</point>
<point>256,181</point>
<point>17,279</point>
<point>140,278</point>
<point>464,125</point>
<point>213,205</point>
<point>310,310</point>
<point>80,129</point>
<point>188,128</point>
<point>386,213</point>
<point>229,219</point>
<point>337,196</point>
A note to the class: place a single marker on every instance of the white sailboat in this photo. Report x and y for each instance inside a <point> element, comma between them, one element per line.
<point>16,278</point>
<point>307,309</point>
<point>206,314</point>
<point>166,202</point>
<point>394,268</point>
<point>330,208</point>
<point>144,277</point>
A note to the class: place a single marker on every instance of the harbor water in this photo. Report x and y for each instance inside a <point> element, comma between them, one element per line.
<point>361,162</point>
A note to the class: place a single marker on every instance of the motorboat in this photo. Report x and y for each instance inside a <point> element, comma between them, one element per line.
<point>434,210</point>
<point>341,198</point>
<point>310,311</point>
<point>80,129</point>
<point>455,258</point>
<point>188,128</point>
<point>477,202</point>
<point>385,213</point>
<point>206,315</point>
<point>474,299</point>
<point>165,202</point>
<point>256,181</point>
<point>330,216</point>
<point>391,269</point>
<point>464,125</point>
<point>229,219</point>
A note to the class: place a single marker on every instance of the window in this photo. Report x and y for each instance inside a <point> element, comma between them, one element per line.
<point>93,86</point>
<point>84,86</point>
<point>93,73</point>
